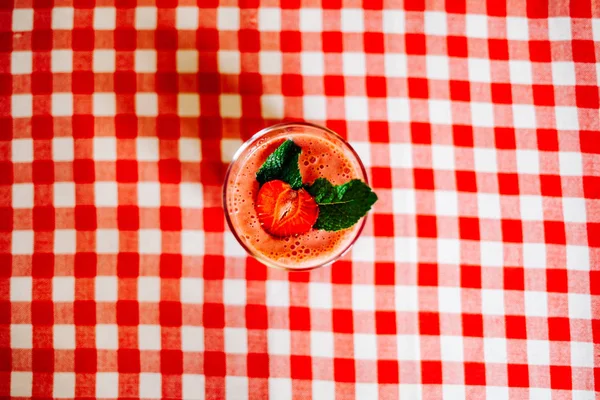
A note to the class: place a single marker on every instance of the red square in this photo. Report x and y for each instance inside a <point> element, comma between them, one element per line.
<point>508,184</point>
<point>334,85</point>
<point>341,272</point>
<point>128,218</point>
<point>474,371</point>
<point>424,179</point>
<point>85,218</point>
<point>290,4</point>
<point>472,325</point>
<point>84,171</point>
<point>460,90</point>
<point>583,51</point>
<point>501,93</point>
<point>5,313</point>
<point>457,46</point>
<point>593,229</point>
<point>332,42</point>
<point>43,219</point>
<point>385,273</point>
<point>208,83</point>
<point>374,42</point>
<point>301,367</point>
<point>551,185</point>
<point>385,322</point>
<point>418,88</point>
<point>5,364</point>
<point>169,171</point>
<point>462,135</point>
<point>256,317</point>
<point>456,7</point>
<point>84,312</point>
<point>414,5</point>
<point>431,372</point>
<point>42,360</point>
<point>498,49</point>
<point>426,226</point>
<point>166,82</point>
<point>428,274</point>
<point>387,372</point>
<point>554,232</point>
<point>86,361</point>
<point>466,181</point>
<point>213,219</point>
<point>561,377</point>
<point>518,375</point>
<point>379,131</point>
<point>376,86</point>
<point>420,133</point>
<point>587,96</point>
<point>559,329</point>
<point>512,231</point>
<point>539,51</point>
<point>514,278</point>
<point>291,41</point>
<point>128,265</point>
<point>82,39</point>
<point>331,4</point>
<point>42,312</point>
<point>547,139</point>
<point>85,264</point>
<point>383,225</point>
<point>41,40</point>
<point>171,362</point>
<point>591,187</point>
<point>129,361</point>
<point>537,9</point>
<point>343,321</point>
<point>41,83</point>
<point>165,39</point>
<point>6,38</point>
<point>543,95</point>
<point>6,219</point>
<point>208,39</point>
<point>214,363</point>
<point>580,9</point>
<point>214,267</point>
<point>344,370</point>
<point>429,323</point>
<point>248,40</point>
<point>415,44</point>
<point>170,313</point>
<point>42,127</point>
<point>128,312</point>
<point>170,218</point>
<point>5,84</point>
<point>292,85</point>
<point>213,315</point>
<point>505,138</point>
<point>82,82</point>
<point>84,3</point>
<point>43,172</point>
<point>338,126</point>
<point>516,327</point>
<point>125,82</point>
<point>170,266</point>
<point>167,126</point>
<point>125,39</point>
<point>557,281</point>
<point>258,365</point>
<point>42,265</point>
<point>470,276</point>
<point>469,228</point>
<point>382,177</point>
<point>83,126</point>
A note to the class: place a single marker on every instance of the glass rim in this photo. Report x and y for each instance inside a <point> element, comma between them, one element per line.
<point>248,143</point>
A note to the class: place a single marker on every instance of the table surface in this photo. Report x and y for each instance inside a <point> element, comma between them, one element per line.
<point>478,272</point>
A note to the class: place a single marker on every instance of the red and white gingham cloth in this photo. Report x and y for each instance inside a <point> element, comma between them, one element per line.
<point>478,273</point>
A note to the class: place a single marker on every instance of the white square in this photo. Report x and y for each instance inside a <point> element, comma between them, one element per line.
<point>485,160</point>
<point>321,344</point>
<point>449,299</point>
<point>64,336</point>
<point>492,254</point>
<point>107,241</point>
<point>352,20</point>
<point>364,249</point>
<point>187,61</point>
<point>405,249</point>
<point>494,350</point>
<point>21,384</point>
<point>105,149</point>
<point>323,390</point>
<point>22,242</point>
<point>482,114</point>
<point>479,70</point>
<point>534,255</point>
<point>517,28</point>
<point>311,20</point>
<point>488,205</point>
<point>149,241</point>
<point>107,337</point>
<point>21,62</point>
<point>104,104</point>
<point>22,150</point>
<point>192,386</point>
<point>272,106</point>
<point>524,116</point>
<point>496,392</point>
<point>528,161</point>
<point>150,385</point>
<point>187,18</point>
<point>406,298</point>
<point>365,346</point>
<point>228,19</point>
<point>437,67</point>
<point>520,72</point>
<point>477,26</point>
<point>545,394</point>
<point>22,19</point>
<point>62,18</point>
<point>192,243</point>
<point>190,195</point>
<point>314,107</point>
<point>538,352</point>
<point>22,195</point>
<point>320,295</point>
<point>279,341</point>
<point>65,241</point>
<point>22,105</point>
<point>61,60</point>
<point>104,60</point>
<point>563,73</point>
<point>145,61</point>
<point>440,112</point>
<point>228,149</point>
<point>64,385</point>
<point>398,110</point>
<point>596,29</point>
<point>410,391</point>
<point>582,354</point>
<point>147,149</point>
<point>570,163</point>
<point>448,251</point>
<point>107,385</point>
<point>230,105</point>
<point>566,118</point>
<point>63,289</point>
<point>236,340</point>
<point>536,304</point>
<point>270,62</point>
<point>354,64</point>
<point>146,104</point>
<point>63,147</point>
<point>580,306</point>
<point>236,387</point>
<point>21,335</point>
<point>278,293</point>
<point>366,390</point>
<point>453,391</point>
<point>192,290</point>
<point>446,203</point>
<point>559,28</point>
<point>574,209</point>
<point>64,194</point>
<point>492,301</point>
<point>234,292</point>
<point>408,347</point>
<point>145,18</point>
<point>105,18</point>
<point>149,337</point>
<point>269,19</point>
<point>312,63</point>
<point>229,61</point>
<point>233,247</point>
<point>395,65</point>
<point>363,297</point>
<point>532,208</point>
<point>451,348</point>
<point>363,149</point>
<point>578,258</point>
<point>435,23</point>
<point>281,386</point>
<point>106,288</point>
<point>393,21</point>
<point>192,338</point>
<point>357,108</point>
<point>62,106</point>
<point>148,194</point>
<point>148,289</point>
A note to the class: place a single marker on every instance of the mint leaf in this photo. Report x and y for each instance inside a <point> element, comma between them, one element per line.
<point>341,206</point>
<point>282,164</point>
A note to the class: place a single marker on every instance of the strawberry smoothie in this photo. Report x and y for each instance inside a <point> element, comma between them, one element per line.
<point>325,155</point>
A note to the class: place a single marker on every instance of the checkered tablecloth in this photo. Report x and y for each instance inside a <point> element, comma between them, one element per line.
<point>477,275</point>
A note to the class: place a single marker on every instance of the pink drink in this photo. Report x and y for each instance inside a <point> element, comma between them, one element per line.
<point>324,154</point>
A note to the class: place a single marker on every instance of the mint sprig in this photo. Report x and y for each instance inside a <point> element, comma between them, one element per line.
<point>282,164</point>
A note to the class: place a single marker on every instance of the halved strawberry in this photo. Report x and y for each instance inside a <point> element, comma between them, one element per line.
<point>283,211</point>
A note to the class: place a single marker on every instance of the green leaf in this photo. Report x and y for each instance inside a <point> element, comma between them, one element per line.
<point>282,165</point>
<point>341,206</point>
